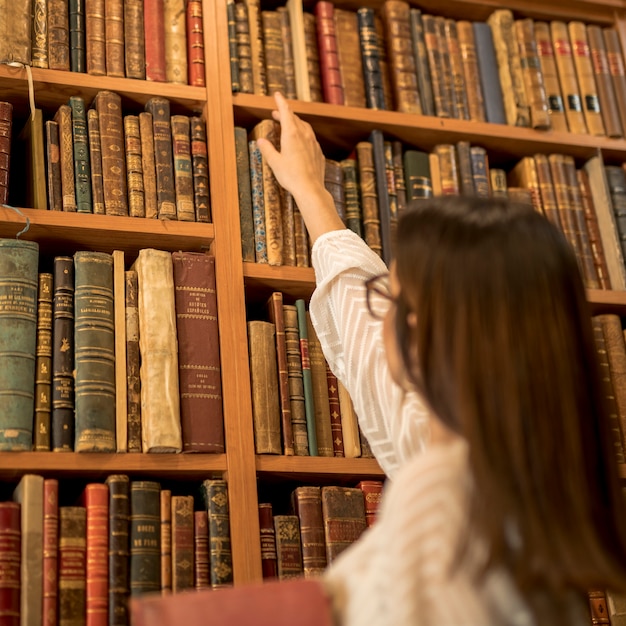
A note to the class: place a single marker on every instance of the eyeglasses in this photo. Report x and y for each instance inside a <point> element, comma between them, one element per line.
<point>378,297</point>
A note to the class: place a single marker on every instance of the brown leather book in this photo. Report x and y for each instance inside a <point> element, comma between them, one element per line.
<point>448,169</point>
<point>598,607</point>
<point>349,54</point>
<point>133,394</point>
<point>154,37</point>
<point>370,53</point>
<point>58,35</point>
<point>616,68</point>
<point>442,106</point>
<point>148,167</point>
<point>95,162</point>
<point>372,495</point>
<point>134,166</point>
<point>114,37</point>
<point>447,78</point>
<point>604,82</point>
<point>421,62</point>
<point>586,79</point>
<point>524,174</point>
<point>49,616</point>
<point>267,532</point>
<point>232,45</point>
<point>95,46</point>
<point>471,75</point>
<point>10,535</point>
<point>53,161</point>
<point>63,117</point>
<point>134,44</point>
<point>343,509</point>
<point>461,103</point>
<point>369,196</point>
<point>312,57</point>
<point>201,550</point>
<point>198,352</point>
<point>242,37</point>
<point>333,181</point>
<point>398,167</point>
<point>301,238</point>
<point>306,503</point>
<point>274,53</point>
<point>165,561</point>
<point>330,70</point>
<point>200,169</point>
<point>561,194</point>
<point>257,50</point>
<point>335,412</point>
<point>195,44</point>
<point>30,145</point>
<point>39,34</point>
<point>351,194</point>
<point>288,61</point>
<point>264,382</point>
<point>520,195</point>
<point>288,213</point>
<point>531,73</point>
<point>43,363</point>
<point>183,175</point>
<point>499,186</point>
<point>466,178</point>
<point>182,543</point>
<point>175,41</point>
<point>72,563</point>
<point>288,547</point>
<point>546,190</point>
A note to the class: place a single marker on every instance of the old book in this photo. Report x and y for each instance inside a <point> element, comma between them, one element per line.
<point>385,206</point>
<point>269,565</point>
<point>349,424</point>
<point>29,495</point>
<point>616,68</point>
<point>288,61</point>
<point>200,168</point>
<point>95,162</point>
<point>39,34</point>
<point>53,161</point>
<point>524,174</point>
<point>165,507</point>
<point>335,412</point>
<point>133,379</point>
<point>370,54</point>
<point>417,175</point>
<point>616,179</point>
<point>158,346</point>
<point>215,494</point>
<point>471,74</point>
<point>546,190</point>
<point>154,35</point>
<point>447,77</point>
<point>312,57</point>
<point>288,546</point>
<point>258,202</point>
<point>118,548</point>
<point>134,166</point>
<point>159,108</point>
<point>343,510</point>
<point>330,70</point>
<point>466,179</point>
<point>43,363</point>
<point>244,191</point>
<point>95,499</point>
<point>15,32</point>
<point>295,380</point>
<point>372,495</point>
<point>460,98</point>
<point>10,562</point>
<point>58,35</point>
<point>183,175</point>
<point>567,77</point>
<point>306,503</point>
<point>274,55</point>
<point>369,196</point>
<point>62,417</point>
<point>351,195</point>
<point>146,134</point>
<point>435,67</point>
<point>257,52</point>
<point>288,215</point>
<point>616,605</point>
<point>422,67</point>
<point>175,41</point>
<point>31,142</point>
<point>145,537</point>
<point>232,45</point>
<point>77,35</point>
<point>114,33</point>
<point>199,369</point>
<point>598,607</point>
<point>72,564</point>
<point>333,181</point>
<point>50,544</point>
<point>301,238</point>
<point>349,54</point>
<point>489,74</point>
<point>244,59</point>
<point>265,391</point>
<point>435,173</point>
<point>95,40</point>
<point>94,352</point>
<point>195,44</point>
<point>109,107</point>
<point>82,169</point>
<point>182,543</point>
<point>448,169</point>
<point>307,379</point>
<point>202,565</point>
<point>480,171</point>
<point>134,44</point>
<point>63,117</point>
<point>499,186</point>
<point>119,331</point>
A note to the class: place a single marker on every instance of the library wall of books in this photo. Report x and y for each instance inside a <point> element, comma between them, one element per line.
<point>168,420</point>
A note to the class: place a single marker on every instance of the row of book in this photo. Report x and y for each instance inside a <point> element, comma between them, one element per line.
<point>316,527</point>
<point>99,358</point>
<point>522,72</point>
<point>79,561</point>
<point>159,40</point>
<point>101,161</point>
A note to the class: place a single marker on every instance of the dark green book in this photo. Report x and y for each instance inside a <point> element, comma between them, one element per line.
<point>18,337</point>
<point>351,195</point>
<point>82,169</point>
<point>145,537</point>
<point>417,175</point>
<point>307,378</point>
<point>385,206</point>
<point>246,221</point>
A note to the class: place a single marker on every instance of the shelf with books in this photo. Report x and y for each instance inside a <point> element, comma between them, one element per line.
<point>297,282</point>
<point>322,468</point>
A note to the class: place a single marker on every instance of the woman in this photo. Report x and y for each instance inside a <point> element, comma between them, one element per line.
<point>485,358</point>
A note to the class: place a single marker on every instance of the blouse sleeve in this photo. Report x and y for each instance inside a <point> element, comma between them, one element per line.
<point>394,421</point>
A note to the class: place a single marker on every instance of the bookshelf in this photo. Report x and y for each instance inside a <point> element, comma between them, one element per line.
<point>339,128</point>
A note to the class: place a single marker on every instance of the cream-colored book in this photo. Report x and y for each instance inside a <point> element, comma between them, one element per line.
<point>121,382</point>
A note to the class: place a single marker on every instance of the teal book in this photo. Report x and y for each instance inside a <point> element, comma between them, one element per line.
<point>94,345</point>
<point>18,337</point>
<point>307,378</point>
<point>145,537</point>
<point>82,169</point>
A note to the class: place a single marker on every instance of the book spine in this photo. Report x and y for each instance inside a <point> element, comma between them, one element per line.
<point>183,176</point>
<point>82,169</point>
<point>489,74</point>
<point>39,34</point>
<point>466,178</point>
<point>616,68</point>
<point>372,495</point>
<point>312,58</point>
<point>50,552</point>
<point>43,363</point>
<point>200,169</point>
<point>182,543</point>
<point>349,424</point>
<point>95,162</point>
<point>382,192</point>
<point>616,179</point>
<point>63,117</point>
<point>471,72</point>
<point>202,563</point>
<point>288,547</point>
<point>448,169</point>
<point>307,379</point>
<point>288,60</point>
<point>10,560</point>
<point>307,505</point>
<point>288,209</point>
<point>232,46</point>
<point>72,564</point>
<point>53,158</point>
<point>154,36</point>
<point>258,208</point>
<point>417,173</point>
<point>134,45</point>
<point>76,10</point>
<point>598,607</point>
<point>370,53</point>
<point>269,565</point>
<point>343,511</point>
<point>148,167</point>
<point>546,190</point>
<point>165,505</point>
<point>447,77</point>
<point>134,167</point>
<point>131,295</point>
<point>480,171</point>
<point>330,70</point>
<point>499,186</point>
<point>215,493</point>
<point>274,55</point>
<point>242,33</point>
<point>114,33</point>
<point>95,46</point>
<point>351,195</point>
<point>58,35</point>
<point>195,43</point>
<point>257,51</point>
<point>301,239</point>
<point>461,103</point>
<point>392,194</point>
<point>369,196</point>
<point>349,54</point>
<point>246,222</point>
<point>175,41</point>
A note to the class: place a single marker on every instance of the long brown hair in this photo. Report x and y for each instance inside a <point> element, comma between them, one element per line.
<point>503,351</point>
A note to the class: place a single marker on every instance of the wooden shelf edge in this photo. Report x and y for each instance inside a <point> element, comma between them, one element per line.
<point>607,301</point>
<point>326,467</point>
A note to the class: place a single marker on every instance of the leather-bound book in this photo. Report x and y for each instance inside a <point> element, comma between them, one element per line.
<point>392,192</point>
<point>466,178</point>
<point>158,346</point>
<point>133,380</point>
<point>581,56</point>
<point>435,173</point>
<point>154,37</point>
<point>10,561</point>
<point>134,44</point>
<point>330,69</point>
<point>461,103</point>
<point>306,503</point>
<point>385,71</point>
<point>109,107</point>
<point>422,67</point>
<point>288,61</point>
<point>39,34</point>
<point>288,547</point>
<point>448,169</point>
<point>58,35</point>
<point>200,169</point>
<point>616,606</point>
<point>312,57</point>
<point>480,171</point>
<point>274,307</point>
<point>53,161</point>
<point>215,494</point>
<point>62,418</point>
<point>604,83</point>
<point>616,179</point>
<point>232,45</point>
<point>520,195</point>
<point>77,35</point>
<point>489,74</point>
<point>435,67</point>
<point>118,548</point>
<point>471,73</point>
<point>265,391</point>
<point>183,175</point>
<point>15,32</point>
<point>598,607</point>
<point>72,565</point>
<point>546,190</point>
<point>145,537</point>
<point>301,237</point>
<point>370,55</point>
<point>385,214</point>
<point>82,168</point>
<point>369,196</point>
<point>146,133</point>
<point>567,77</point>
<point>182,543</point>
<point>175,41</point>
<point>274,55</point>
<point>447,77</point>
<point>335,412</point>
<point>561,194</point>
<point>246,223</point>
<point>95,499</point>
<point>50,542</point>
<point>244,59</point>
<point>497,179</point>
<point>95,162</point>
<point>349,54</point>
<point>349,424</point>
<point>417,174</point>
<point>202,565</point>
<point>524,174</point>
<point>95,46</point>
<point>43,363</point>
<point>94,352</point>
<point>307,379</point>
<point>257,50</point>
<point>119,332</point>
<point>333,181</point>
<point>195,44</point>
<point>351,195</point>
<point>114,33</point>
<point>198,352</point>
<point>31,145</point>
<point>63,117</point>
<point>288,213</point>
<point>343,509</point>
<point>372,495</point>
<point>165,507</point>
<point>134,166</point>
<point>258,202</point>
<point>616,68</point>
<point>295,381</point>
<point>269,565</point>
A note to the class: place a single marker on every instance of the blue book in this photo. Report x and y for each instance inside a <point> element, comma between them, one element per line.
<point>489,75</point>
<point>307,378</point>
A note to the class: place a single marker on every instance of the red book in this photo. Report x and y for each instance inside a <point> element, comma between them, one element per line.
<point>269,564</point>
<point>10,559</point>
<point>50,551</point>
<point>372,493</point>
<point>201,550</point>
<point>195,44</point>
<point>332,85</point>
<point>335,412</point>
<point>154,31</point>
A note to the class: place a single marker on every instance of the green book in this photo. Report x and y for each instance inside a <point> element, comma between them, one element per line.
<point>82,169</point>
<point>307,378</point>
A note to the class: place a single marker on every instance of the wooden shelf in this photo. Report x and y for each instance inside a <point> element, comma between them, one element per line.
<point>54,230</point>
<point>261,278</point>
<point>322,469</point>
<point>603,301</point>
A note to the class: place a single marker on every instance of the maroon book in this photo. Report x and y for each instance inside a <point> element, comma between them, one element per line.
<point>195,44</point>
<point>268,541</point>
<point>50,551</point>
<point>332,84</point>
<point>372,494</point>
<point>6,117</point>
<point>10,559</point>
<point>201,550</point>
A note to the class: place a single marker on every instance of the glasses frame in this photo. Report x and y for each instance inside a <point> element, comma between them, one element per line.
<point>373,285</point>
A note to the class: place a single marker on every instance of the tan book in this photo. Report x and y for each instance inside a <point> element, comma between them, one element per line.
<point>63,117</point>
<point>467,46</point>
<point>146,135</point>
<point>95,162</point>
<point>121,382</point>
<point>274,52</point>
<point>616,67</point>
<point>435,173</point>
<point>134,166</point>
<point>296,17</point>
<point>312,57</point>
<point>369,196</point>
<point>499,185</point>
<point>175,41</point>
<point>461,103</point>
<point>15,32</point>
<point>448,170</point>
<point>446,65</point>
<point>134,45</point>
<point>524,174</point>
<point>257,50</point>
<point>287,43</point>
<point>431,39</point>
<point>165,504</point>
<point>349,424</point>
<point>31,139</point>
<point>114,37</point>
<point>183,174</point>
<point>546,189</point>
<point>95,39</point>
<point>349,53</point>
